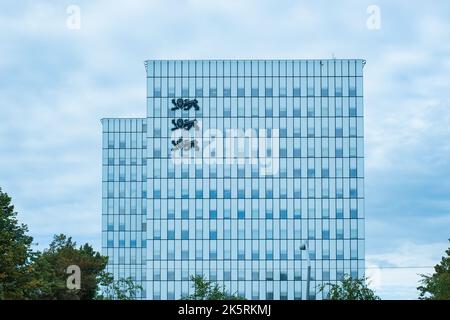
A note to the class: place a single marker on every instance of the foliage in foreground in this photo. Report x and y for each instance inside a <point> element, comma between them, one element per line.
<point>349,289</point>
<point>28,274</point>
<point>122,289</point>
<point>16,255</point>
<point>51,265</point>
<point>209,290</point>
<point>437,285</point>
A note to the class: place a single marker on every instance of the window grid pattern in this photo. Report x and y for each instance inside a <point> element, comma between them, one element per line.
<point>124,208</point>
<point>231,223</point>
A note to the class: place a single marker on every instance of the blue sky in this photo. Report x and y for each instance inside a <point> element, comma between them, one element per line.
<point>56,83</point>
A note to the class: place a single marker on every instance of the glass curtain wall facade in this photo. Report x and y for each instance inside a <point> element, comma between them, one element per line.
<point>234,221</point>
<point>124,198</point>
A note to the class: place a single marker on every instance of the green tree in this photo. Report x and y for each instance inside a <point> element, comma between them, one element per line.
<point>121,289</point>
<point>349,289</point>
<point>25,274</point>
<point>437,285</point>
<point>16,254</point>
<point>50,267</point>
<point>209,290</point>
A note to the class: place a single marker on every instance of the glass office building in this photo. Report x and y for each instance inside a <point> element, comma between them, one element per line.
<point>236,166</point>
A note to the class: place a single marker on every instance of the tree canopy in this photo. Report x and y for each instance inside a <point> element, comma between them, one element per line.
<point>349,289</point>
<point>209,290</point>
<point>51,270</point>
<point>437,285</point>
<point>28,274</point>
<point>122,289</point>
<point>16,254</point>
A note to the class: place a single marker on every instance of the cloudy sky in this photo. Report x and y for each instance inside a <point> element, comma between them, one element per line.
<point>56,83</point>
